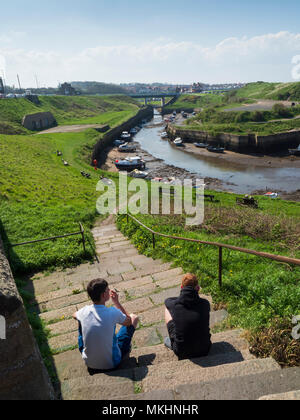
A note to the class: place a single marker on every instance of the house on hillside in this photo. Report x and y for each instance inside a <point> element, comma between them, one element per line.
<point>67,89</point>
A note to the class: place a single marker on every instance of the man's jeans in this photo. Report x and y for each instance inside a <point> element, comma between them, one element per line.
<point>124,338</point>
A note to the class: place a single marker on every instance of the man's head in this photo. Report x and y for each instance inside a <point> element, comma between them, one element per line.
<point>98,290</point>
<point>190,280</point>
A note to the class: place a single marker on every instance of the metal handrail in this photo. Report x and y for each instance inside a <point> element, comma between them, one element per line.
<point>274,257</point>
<point>55,237</point>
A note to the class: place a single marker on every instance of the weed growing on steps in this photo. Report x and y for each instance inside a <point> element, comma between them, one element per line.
<point>276,341</point>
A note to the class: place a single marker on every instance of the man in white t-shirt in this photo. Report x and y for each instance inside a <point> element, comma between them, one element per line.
<point>100,347</point>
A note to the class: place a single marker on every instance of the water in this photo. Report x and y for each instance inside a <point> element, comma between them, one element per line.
<point>245,179</point>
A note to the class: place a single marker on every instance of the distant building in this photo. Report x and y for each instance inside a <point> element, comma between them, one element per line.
<point>1,86</point>
<point>67,90</point>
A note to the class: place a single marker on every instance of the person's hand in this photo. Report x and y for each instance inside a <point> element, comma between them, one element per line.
<point>114,297</point>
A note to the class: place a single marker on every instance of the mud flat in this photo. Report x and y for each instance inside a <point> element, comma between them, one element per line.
<point>158,168</point>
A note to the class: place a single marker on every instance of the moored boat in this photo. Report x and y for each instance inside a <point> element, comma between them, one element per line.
<point>164,135</point>
<point>138,174</point>
<point>178,142</point>
<point>215,149</point>
<point>201,145</point>
<point>130,163</point>
<point>125,135</point>
<point>295,152</point>
<point>126,148</point>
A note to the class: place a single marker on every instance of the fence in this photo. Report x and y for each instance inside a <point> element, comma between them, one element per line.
<point>278,258</point>
<point>55,237</point>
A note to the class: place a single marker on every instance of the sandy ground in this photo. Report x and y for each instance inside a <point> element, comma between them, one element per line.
<point>239,159</point>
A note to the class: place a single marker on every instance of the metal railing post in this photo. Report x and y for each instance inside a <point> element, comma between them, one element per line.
<point>83,238</point>
<point>220,266</point>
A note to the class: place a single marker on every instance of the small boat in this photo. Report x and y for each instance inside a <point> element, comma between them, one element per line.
<point>138,174</point>
<point>271,195</point>
<point>201,145</point>
<point>125,135</point>
<point>215,149</point>
<point>130,163</point>
<point>178,142</point>
<point>133,131</point>
<point>295,152</point>
<point>164,135</point>
<point>126,148</point>
<point>119,142</point>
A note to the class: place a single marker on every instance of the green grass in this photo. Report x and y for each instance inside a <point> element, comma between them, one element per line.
<point>246,128</point>
<point>66,110</point>
<point>195,101</point>
<point>40,197</point>
<point>275,91</point>
<point>255,289</point>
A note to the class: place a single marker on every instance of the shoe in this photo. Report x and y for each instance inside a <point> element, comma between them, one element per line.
<point>167,343</point>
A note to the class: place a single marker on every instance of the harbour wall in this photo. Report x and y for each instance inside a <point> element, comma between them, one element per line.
<point>113,134</point>
<point>243,143</point>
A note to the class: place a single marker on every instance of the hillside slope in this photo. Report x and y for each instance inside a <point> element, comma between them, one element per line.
<point>275,91</point>
<point>66,110</point>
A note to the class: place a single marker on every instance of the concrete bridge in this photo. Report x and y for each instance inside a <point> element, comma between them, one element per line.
<point>155,95</point>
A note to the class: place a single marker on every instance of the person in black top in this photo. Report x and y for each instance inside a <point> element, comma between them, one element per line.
<point>187,319</point>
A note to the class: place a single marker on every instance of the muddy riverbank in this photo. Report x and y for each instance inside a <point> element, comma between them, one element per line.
<point>232,172</point>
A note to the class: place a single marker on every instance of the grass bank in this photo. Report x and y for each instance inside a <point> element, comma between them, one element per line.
<point>255,290</point>
<point>66,110</point>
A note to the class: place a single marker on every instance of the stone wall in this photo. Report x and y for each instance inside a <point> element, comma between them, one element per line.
<point>243,143</point>
<point>23,375</point>
<point>39,121</point>
<point>108,138</point>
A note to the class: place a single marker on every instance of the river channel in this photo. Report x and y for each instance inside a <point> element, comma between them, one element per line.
<point>233,176</point>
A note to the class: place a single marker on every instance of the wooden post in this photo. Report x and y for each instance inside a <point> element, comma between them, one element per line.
<point>127,217</point>
<point>220,266</point>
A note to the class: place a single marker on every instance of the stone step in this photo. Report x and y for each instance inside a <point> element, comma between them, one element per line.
<point>172,374</point>
<point>148,314</point>
<point>163,270</point>
<point>284,396</point>
<point>96,389</point>
<point>120,383</point>
<point>70,364</point>
<point>246,387</point>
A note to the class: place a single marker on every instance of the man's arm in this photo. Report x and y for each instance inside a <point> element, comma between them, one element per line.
<point>115,299</point>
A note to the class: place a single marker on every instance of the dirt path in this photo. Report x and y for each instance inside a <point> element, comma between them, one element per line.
<point>70,128</point>
<point>261,105</point>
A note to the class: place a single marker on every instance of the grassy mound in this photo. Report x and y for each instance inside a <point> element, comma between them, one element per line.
<point>66,110</point>
<point>275,91</point>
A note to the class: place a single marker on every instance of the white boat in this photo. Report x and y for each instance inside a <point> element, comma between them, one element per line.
<point>178,141</point>
<point>125,135</point>
<point>138,174</point>
<point>164,135</point>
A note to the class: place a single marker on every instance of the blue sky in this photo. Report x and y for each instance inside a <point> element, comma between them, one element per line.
<point>167,41</point>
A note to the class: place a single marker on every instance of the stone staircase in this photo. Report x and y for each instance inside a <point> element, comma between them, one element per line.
<point>152,372</point>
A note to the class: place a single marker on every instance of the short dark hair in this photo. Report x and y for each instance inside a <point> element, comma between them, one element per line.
<point>96,288</point>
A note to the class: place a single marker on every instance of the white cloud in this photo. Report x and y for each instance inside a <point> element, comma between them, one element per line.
<point>264,57</point>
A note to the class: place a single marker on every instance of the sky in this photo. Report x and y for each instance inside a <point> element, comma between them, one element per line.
<point>119,41</point>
